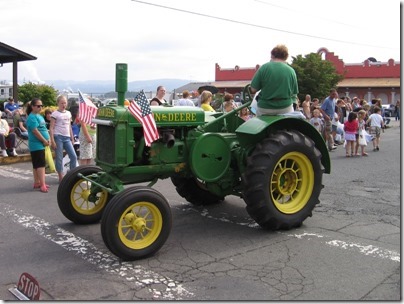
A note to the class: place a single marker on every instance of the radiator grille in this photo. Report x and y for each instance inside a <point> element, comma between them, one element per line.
<point>106,144</point>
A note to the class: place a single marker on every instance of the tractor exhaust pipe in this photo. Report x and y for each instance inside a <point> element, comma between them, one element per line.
<point>121,81</point>
<point>168,138</point>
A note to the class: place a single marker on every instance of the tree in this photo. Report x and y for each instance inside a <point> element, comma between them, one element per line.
<point>315,76</point>
<point>46,93</point>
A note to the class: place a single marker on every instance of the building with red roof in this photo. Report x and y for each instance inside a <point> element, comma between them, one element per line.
<point>368,80</point>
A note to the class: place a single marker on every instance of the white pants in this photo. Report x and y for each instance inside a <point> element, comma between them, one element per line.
<point>262,111</point>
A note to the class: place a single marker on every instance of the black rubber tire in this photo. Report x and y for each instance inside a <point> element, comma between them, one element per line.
<point>194,192</point>
<point>139,212</point>
<point>284,158</point>
<point>68,206</point>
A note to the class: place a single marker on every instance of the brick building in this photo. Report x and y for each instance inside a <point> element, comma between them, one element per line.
<point>369,79</point>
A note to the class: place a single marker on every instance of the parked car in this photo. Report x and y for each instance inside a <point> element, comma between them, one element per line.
<point>108,101</point>
<point>388,110</point>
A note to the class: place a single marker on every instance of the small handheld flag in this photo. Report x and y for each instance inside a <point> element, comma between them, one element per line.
<point>141,110</point>
<point>87,110</point>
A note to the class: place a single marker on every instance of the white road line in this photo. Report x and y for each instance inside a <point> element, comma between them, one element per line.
<point>17,173</point>
<point>368,250</point>
<point>11,174</point>
<point>142,277</point>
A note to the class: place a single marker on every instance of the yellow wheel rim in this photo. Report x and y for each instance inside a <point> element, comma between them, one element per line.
<point>140,225</point>
<point>292,182</point>
<point>79,198</point>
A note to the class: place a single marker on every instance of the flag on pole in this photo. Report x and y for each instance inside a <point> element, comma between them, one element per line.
<point>87,110</point>
<point>141,110</point>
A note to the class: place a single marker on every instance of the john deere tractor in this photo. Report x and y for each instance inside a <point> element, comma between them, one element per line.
<point>274,163</point>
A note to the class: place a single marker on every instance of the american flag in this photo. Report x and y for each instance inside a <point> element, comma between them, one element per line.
<point>87,110</point>
<point>141,110</point>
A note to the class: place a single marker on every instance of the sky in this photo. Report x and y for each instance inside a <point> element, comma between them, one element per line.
<point>179,39</point>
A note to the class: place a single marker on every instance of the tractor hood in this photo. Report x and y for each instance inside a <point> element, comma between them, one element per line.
<point>165,116</point>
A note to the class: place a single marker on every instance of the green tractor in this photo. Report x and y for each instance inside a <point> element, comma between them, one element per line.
<point>274,163</point>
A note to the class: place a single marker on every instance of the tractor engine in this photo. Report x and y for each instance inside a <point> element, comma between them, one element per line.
<point>121,144</point>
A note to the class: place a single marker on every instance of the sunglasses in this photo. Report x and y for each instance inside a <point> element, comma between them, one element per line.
<point>38,106</point>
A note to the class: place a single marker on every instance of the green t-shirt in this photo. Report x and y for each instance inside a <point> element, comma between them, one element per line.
<point>278,84</point>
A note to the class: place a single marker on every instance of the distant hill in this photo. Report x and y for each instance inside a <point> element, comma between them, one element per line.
<point>105,86</point>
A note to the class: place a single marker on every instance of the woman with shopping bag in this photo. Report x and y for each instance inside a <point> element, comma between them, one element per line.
<point>38,139</point>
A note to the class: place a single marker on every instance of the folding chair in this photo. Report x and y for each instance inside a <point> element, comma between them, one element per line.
<point>22,141</point>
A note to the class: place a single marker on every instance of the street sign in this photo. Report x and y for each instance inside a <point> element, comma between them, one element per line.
<point>27,288</point>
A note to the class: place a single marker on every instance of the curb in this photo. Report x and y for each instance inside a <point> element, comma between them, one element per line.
<point>20,158</point>
<point>15,159</point>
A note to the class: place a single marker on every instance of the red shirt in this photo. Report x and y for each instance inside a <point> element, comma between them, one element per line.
<point>351,126</point>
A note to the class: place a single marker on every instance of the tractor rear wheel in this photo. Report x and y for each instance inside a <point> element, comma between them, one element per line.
<point>194,191</point>
<point>136,223</point>
<point>75,200</point>
<point>283,180</point>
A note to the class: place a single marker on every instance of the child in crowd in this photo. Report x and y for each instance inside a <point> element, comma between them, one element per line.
<point>245,114</point>
<point>61,135</point>
<point>376,125</point>
<point>317,121</point>
<point>361,134</point>
<point>87,139</point>
<point>350,128</point>
<point>47,116</point>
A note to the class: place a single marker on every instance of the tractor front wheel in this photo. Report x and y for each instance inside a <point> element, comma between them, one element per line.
<point>75,199</point>
<point>283,180</point>
<point>136,223</point>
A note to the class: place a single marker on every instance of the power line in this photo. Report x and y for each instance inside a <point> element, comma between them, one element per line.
<point>260,26</point>
<point>307,14</point>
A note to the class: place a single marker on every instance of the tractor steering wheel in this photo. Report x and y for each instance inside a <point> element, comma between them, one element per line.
<point>248,97</point>
<point>247,93</point>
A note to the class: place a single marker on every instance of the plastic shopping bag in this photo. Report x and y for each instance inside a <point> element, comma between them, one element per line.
<point>362,139</point>
<point>66,164</point>
<point>367,136</point>
<point>50,164</point>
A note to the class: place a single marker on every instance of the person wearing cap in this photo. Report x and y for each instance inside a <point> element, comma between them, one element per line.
<point>328,109</point>
<point>10,107</point>
<point>5,134</point>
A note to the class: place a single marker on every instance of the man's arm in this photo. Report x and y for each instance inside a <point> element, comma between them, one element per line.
<point>325,115</point>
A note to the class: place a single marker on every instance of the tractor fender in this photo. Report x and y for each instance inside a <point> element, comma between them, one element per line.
<point>256,129</point>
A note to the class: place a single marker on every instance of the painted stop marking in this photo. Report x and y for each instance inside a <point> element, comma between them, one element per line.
<point>29,286</point>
